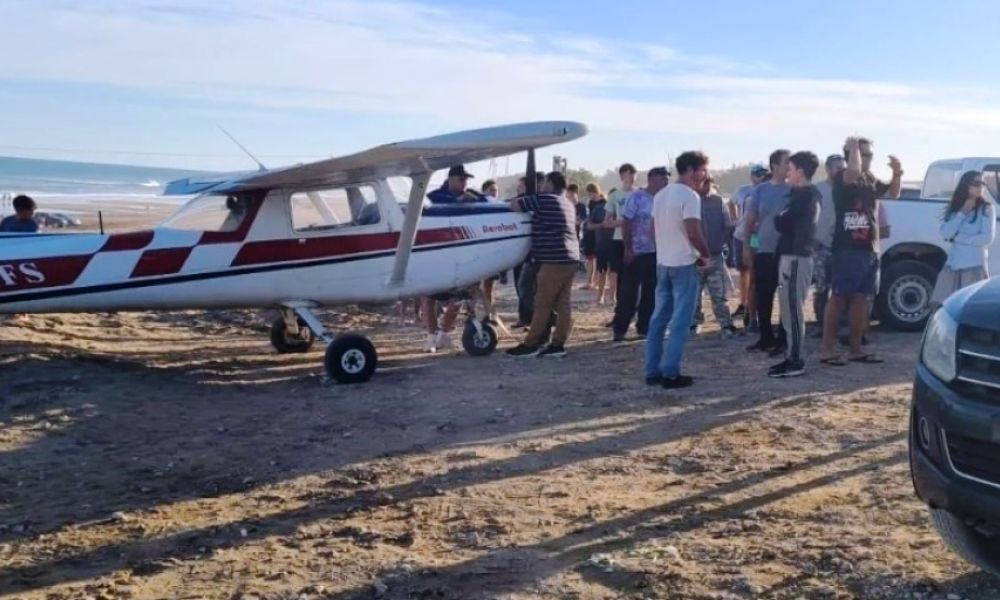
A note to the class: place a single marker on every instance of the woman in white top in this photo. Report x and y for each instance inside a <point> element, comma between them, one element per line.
<point>970,226</point>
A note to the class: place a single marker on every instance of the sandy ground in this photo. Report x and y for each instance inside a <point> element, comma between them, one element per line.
<point>175,455</point>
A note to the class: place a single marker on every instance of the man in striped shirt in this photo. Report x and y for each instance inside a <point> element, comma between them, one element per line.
<point>556,250</point>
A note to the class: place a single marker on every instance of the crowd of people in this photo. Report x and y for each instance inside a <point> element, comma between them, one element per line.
<point>653,251</point>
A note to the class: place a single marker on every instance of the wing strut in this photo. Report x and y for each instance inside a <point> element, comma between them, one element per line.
<point>408,235</point>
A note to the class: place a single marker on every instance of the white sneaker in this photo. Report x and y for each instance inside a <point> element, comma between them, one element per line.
<point>444,342</point>
<point>430,344</point>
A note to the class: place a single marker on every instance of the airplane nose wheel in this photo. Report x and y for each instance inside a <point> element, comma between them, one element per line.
<point>479,341</point>
<point>351,358</point>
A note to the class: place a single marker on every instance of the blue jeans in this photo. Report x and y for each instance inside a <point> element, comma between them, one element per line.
<point>676,292</point>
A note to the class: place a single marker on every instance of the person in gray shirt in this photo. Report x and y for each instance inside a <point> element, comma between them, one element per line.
<point>835,163</point>
<point>769,199</point>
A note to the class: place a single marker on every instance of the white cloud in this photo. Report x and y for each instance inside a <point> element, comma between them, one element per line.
<point>457,68</point>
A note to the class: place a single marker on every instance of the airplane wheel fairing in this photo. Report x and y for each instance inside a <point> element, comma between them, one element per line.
<point>351,358</point>
<point>287,344</point>
<point>479,343</point>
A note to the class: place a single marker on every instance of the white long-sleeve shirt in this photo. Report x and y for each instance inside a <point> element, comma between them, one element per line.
<point>971,236</point>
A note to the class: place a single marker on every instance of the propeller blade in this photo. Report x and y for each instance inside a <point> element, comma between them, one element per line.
<point>531,179</point>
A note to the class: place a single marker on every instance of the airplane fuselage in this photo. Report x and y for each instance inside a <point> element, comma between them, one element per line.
<point>264,261</point>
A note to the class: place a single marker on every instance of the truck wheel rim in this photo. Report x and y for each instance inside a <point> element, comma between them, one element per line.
<point>910,298</point>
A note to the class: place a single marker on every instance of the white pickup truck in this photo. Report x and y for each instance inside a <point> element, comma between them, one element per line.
<point>915,252</point>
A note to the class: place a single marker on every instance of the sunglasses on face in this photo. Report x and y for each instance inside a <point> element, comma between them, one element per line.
<point>977,183</point>
<point>867,155</point>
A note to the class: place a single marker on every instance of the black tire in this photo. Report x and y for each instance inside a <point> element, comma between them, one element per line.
<point>972,545</point>
<point>904,302</point>
<point>351,358</point>
<point>286,344</point>
<point>477,344</point>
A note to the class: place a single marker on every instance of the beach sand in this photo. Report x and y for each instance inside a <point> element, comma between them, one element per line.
<point>174,455</point>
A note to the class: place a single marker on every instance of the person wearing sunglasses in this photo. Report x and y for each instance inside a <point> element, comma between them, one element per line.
<point>970,226</point>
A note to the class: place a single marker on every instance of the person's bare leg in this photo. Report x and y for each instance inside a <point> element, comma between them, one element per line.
<point>429,308</point>
<point>602,280</point>
<point>450,316</point>
<point>858,322</point>
<point>591,271</point>
<point>833,308</point>
<point>488,294</point>
<point>613,287</point>
<point>744,287</point>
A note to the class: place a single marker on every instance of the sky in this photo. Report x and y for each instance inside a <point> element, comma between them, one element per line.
<point>148,81</point>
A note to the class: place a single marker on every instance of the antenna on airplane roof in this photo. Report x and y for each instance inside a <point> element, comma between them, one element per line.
<point>260,165</point>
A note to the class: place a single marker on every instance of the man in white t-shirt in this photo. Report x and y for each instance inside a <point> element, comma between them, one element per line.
<point>680,251</point>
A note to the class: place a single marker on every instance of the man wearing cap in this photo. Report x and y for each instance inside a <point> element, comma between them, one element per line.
<point>455,189</point>
<point>638,282</point>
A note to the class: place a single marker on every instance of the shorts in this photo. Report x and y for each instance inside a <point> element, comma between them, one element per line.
<point>616,257</point>
<point>854,272</point>
<point>740,264</point>
<point>603,257</point>
<point>589,244</point>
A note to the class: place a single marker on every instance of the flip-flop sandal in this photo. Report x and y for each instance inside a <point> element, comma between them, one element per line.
<point>833,361</point>
<point>868,359</point>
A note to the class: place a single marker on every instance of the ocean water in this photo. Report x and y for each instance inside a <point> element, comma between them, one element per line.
<point>65,180</point>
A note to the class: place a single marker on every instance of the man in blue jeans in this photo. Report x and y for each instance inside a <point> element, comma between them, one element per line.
<point>680,252</point>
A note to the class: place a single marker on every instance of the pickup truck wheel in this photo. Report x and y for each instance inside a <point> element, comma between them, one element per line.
<point>905,299</point>
<point>972,545</point>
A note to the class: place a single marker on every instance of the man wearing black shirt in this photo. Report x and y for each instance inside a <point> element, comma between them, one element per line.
<point>796,225</point>
<point>855,246</point>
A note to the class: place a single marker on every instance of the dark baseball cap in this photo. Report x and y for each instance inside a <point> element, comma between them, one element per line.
<point>658,171</point>
<point>459,171</point>
<point>759,171</point>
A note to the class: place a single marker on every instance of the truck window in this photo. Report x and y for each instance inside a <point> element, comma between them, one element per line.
<point>991,176</point>
<point>941,180</point>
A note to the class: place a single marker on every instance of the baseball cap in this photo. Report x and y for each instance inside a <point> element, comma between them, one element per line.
<point>459,171</point>
<point>658,171</point>
<point>759,170</point>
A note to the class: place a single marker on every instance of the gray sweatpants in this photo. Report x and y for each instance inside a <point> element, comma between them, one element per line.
<point>794,278</point>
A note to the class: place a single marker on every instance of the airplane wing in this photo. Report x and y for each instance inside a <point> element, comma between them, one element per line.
<point>392,160</point>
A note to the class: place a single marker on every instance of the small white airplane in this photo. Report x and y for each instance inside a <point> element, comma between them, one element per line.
<point>326,233</point>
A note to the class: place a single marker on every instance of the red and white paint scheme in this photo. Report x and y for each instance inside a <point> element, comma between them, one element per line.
<point>323,234</point>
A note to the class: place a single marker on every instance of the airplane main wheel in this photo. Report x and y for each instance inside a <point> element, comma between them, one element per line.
<point>285,343</point>
<point>479,342</point>
<point>351,358</point>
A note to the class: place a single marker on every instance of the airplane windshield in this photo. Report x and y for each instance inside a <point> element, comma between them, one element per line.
<point>211,213</point>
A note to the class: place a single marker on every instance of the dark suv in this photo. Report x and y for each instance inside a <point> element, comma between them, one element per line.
<point>955,423</point>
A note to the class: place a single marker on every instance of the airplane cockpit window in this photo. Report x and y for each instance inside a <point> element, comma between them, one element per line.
<point>323,210</point>
<point>211,213</point>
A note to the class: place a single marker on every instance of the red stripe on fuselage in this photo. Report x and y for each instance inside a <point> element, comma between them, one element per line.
<point>255,253</point>
<point>36,273</point>
<point>165,261</point>
<point>119,242</point>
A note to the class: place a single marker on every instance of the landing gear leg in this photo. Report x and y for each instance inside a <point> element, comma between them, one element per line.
<point>350,358</point>
<point>290,334</point>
